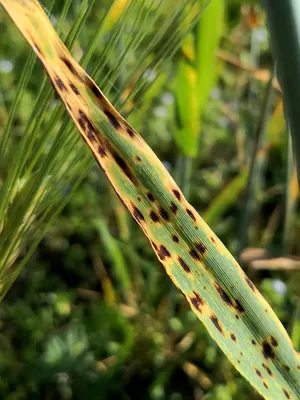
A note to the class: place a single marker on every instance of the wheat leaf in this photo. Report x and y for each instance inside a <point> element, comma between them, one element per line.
<point>222,296</point>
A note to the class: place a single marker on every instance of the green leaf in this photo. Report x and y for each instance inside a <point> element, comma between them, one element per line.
<point>196,76</point>
<point>208,35</point>
<point>187,106</point>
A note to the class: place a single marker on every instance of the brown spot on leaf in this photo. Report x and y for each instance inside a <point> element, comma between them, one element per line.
<point>258,372</point>
<point>112,119</point>
<point>250,283</point>
<point>137,214</point>
<point>138,158</point>
<point>286,393</point>
<point>173,207</point>
<point>94,89</point>
<point>224,296</point>
<point>74,88</point>
<point>81,123</point>
<point>150,196</point>
<point>177,194</point>
<point>267,350</point>
<point>122,164</point>
<point>216,322</point>
<point>154,216</point>
<point>191,214</point>
<point>200,247</point>
<point>60,84</point>
<point>83,116</point>
<point>194,255</point>
<point>154,245</point>
<point>239,307</point>
<point>233,337</point>
<point>253,342</point>
<point>197,301</point>
<point>274,341</point>
<point>164,214</point>
<point>69,65</point>
<point>130,131</point>
<point>265,385</point>
<point>267,369</point>
<point>87,125</point>
<point>163,252</point>
<point>101,151</point>
<point>175,238</point>
<point>212,239</point>
<point>183,264</point>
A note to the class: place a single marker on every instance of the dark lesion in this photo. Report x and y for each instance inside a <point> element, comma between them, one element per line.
<point>193,253</point>
<point>267,351</point>
<point>183,264</point>
<point>59,83</point>
<point>177,194</point>
<point>164,214</point>
<point>233,337</point>
<point>95,90</point>
<point>71,68</point>
<point>214,319</point>
<point>173,208</point>
<point>200,247</point>
<point>154,217</point>
<point>130,131</point>
<point>191,214</point>
<point>124,166</point>
<point>163,253</point>
<point>137,214</point>
<point>74,88</point>
<point>112,119</point>
<point>224,296</point>
<point>197,301</point>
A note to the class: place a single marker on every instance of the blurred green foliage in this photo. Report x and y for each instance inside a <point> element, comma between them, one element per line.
<point>93,314</point>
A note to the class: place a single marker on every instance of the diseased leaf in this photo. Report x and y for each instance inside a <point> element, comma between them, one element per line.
<point>222,296</point>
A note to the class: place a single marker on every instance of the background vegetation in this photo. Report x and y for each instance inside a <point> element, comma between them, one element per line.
<point>92,313</point>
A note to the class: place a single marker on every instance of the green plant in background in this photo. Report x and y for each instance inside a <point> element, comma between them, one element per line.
<point>284,25</point>
<point>228,303</point>
<point>195,78</point>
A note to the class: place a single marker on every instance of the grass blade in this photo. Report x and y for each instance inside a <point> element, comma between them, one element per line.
<point>226,198</point>
<point>194,80</point>
<point>256,161</point>
<point>284,25</point>
<point>291,199</point>
<point>222,296</point>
